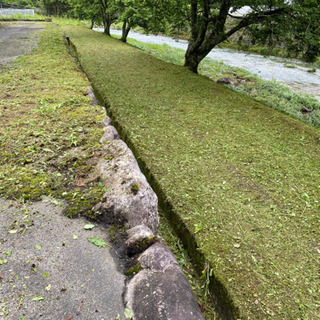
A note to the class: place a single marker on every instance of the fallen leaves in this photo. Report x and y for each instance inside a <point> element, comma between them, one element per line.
<point>98,242</point>
<point>80,183</point>
<point>48,287</point>
<point>38,298</point>
<point>128,314</point>
<point>88,226</point>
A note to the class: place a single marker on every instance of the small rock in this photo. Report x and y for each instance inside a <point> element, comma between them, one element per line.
<point>91,94</point>
<point>139,239</point>
<point>138,233</point>
<point>107,121</point>
<point>110,133</point>
<point>97,207</point>
<point>119,172</point>
<point>305,110</point>
<point>160,291</point>
<point>225,81</point>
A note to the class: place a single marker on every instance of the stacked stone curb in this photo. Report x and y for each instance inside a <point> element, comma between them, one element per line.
<point>159,290</point>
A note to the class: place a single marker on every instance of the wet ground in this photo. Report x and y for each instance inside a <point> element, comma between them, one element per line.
<point>49,270</point>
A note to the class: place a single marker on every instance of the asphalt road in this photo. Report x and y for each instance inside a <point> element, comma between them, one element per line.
<point>49,270</point>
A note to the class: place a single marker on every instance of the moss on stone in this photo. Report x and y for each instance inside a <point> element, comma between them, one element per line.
<point>133,270</point>
<point>134,188</point>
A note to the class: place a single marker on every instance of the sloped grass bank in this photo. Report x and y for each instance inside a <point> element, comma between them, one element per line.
<point>49,129</point>
<point>271,93</point>
<point>239,181</point>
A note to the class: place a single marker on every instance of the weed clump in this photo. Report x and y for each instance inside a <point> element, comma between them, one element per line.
<point>134,188</point>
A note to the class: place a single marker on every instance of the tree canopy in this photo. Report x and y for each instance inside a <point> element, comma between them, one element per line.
<point>210,23</point>
<point>291,23</point>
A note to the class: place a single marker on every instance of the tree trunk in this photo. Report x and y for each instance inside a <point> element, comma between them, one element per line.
<point>195,54</point>
<point>191,61</point>
<point>105,18</point>
<point>106,30</point>
<point>125,31</point>
<point>92,24</point>
<point>205,36</point>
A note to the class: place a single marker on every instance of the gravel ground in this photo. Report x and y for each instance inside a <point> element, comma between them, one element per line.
<point>17,39</point>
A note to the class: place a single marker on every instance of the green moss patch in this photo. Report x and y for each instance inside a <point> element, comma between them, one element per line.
<point>49,129</point>
<point>241,179</point>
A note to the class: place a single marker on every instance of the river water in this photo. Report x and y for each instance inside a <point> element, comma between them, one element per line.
<point>298,78</point>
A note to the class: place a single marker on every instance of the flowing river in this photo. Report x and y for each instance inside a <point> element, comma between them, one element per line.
<point>298,78</point>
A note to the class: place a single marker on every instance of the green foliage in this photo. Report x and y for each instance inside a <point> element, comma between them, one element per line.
<point>85,10</point>
<point>297,31</point>
<point>134,188</point>
<point>293,23</point>
<point>133,270</point>
<point>22,16</point>
<point>55,7</point>
<point>25,3</point>
<point>97,242</point>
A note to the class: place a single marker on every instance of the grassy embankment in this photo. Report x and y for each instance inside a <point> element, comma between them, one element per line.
<point>49,137</point>
<point>272,93</point>
<point>49,129</point>
<point>235,177</point>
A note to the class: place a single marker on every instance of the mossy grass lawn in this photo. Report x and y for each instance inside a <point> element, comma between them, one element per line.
<point>243,178</point>
<point>49,129</point>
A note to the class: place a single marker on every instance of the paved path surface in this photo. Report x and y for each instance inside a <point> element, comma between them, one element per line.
<point>48,268</point>
<point>17,39</point>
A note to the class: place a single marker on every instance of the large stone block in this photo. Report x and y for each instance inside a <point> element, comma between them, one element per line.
<point>160,291</point>
<point>129,197</point>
